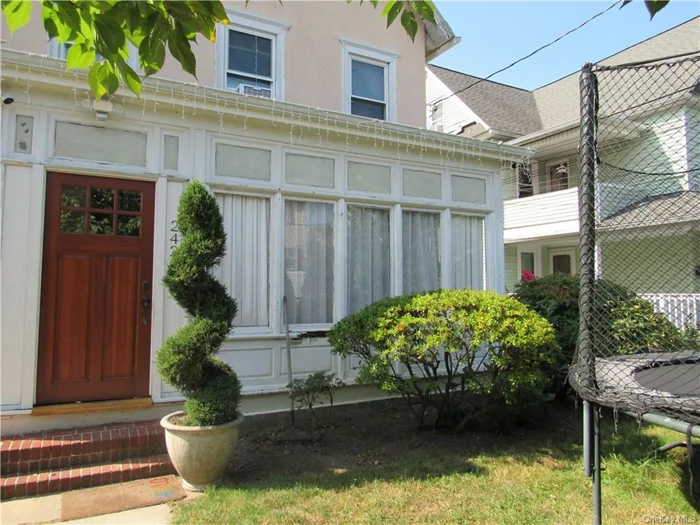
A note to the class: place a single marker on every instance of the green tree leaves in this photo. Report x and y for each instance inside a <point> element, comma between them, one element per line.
<point>17,13</point>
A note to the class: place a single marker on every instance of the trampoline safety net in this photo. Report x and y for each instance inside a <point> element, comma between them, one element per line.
<point>639,204</point>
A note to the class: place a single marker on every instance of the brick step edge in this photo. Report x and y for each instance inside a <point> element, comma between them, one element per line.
<point>84,477</point>
<point>33,454</point>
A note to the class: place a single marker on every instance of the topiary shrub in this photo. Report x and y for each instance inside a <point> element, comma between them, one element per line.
<point>441,349</point>
<point>188,359</point>
<point>624,322</point>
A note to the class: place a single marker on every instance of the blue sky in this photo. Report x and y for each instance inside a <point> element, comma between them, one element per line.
<point>496,33</point>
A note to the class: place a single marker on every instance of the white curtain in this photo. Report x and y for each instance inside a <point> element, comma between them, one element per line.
<point>421,251</point>
<point>467,252</point>
<point>369,256</point>
<point>245,267</point>
<point>308,261</point>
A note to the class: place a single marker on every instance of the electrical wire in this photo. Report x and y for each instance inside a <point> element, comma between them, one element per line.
<point>526,56</point>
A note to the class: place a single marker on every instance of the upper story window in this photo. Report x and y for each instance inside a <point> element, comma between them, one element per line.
<point>558,175</point>
<point>369,81</point>
<point>250,55</point>
<point>59,50</point>
<point>436,119</point>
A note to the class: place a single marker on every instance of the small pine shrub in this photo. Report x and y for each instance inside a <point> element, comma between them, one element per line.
<point>441,349</point>
<point>188,359</point>
<point>314,390</point>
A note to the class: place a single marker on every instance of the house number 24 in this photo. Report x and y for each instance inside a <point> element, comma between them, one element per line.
<point>174,231</point>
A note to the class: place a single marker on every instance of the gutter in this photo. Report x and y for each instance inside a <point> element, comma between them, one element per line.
<point>43,70</point>
<point>444,47</point>
<point>544,133</point>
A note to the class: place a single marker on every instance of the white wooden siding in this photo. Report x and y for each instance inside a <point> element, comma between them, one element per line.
<point>541,216</point>
<point>455,112</point>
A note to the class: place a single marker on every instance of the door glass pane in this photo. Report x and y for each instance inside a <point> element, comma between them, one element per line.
<point>369,256</point>
<point>101,223</point>
<point>129,200</point>
<point>367,80</point>
<point>73,196</point>
<point>72,221</point>
<point>364,108</point>
<point>421,252</point>
<point>561,264</point>
<point>308,261</point>
<point>102,198</point>
<point>129,225</point>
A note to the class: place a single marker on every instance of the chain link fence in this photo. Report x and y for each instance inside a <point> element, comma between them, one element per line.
<point>639,165</point>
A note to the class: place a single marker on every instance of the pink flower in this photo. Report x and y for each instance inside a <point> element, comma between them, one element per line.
<point>528,276</point>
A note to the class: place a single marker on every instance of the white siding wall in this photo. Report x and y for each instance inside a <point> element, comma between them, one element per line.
<point>456,113</point>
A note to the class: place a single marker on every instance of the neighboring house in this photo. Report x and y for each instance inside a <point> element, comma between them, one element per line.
<point>321,204</point>
<point>541,197</point>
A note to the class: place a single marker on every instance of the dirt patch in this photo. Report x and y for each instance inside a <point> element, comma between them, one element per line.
<point>384,435</point>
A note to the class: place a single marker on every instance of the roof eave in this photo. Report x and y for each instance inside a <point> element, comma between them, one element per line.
<point>439,37</point>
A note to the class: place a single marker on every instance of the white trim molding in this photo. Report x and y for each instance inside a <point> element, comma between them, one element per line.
<point>251,23</point>
<point>374,55</point>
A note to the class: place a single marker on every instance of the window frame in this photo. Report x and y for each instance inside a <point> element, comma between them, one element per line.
<point>548,170</point>
<point>56,49</point>
<point>523,168</point>
<point>257,25</point>
<point>386,58</point>
<point>537,251</point>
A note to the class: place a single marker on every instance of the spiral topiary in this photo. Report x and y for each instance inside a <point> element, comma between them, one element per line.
<point>188,359</point>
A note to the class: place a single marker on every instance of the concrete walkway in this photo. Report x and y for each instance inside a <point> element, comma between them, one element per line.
<point>47,509</point>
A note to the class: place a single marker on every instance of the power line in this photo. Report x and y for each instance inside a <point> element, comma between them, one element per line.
<point>527,56</point>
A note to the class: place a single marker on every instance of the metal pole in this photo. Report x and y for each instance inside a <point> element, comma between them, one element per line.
<point>670,423</point>
<point>587,439</point>
<point>597,503</point>
<point>587,161</point>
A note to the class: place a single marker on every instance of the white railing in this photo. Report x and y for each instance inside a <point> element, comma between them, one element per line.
<point>683,310</point>
<point>542,215</point>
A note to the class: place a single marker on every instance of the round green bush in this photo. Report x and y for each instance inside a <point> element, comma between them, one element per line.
<point>188,359</point>
<point>624,323</point>
<point>440,350</point>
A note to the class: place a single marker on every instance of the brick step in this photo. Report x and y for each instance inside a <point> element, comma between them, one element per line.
<point>80,447</point>
<point>71,478</point>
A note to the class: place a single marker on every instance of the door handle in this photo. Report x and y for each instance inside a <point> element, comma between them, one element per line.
<point>145,300</point>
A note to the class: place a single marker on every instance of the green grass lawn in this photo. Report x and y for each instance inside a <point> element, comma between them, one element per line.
<point>375,468</point>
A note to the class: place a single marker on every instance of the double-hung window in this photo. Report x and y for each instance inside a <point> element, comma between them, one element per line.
<point>558,176</point>
<point>369,81</point>
<point>436,120</point>
<point>250,55</point>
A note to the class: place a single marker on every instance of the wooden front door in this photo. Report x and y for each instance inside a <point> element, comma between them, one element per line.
<point>94,341</point>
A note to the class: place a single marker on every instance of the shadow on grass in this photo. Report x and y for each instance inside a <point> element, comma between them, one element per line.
<point>382,444</point>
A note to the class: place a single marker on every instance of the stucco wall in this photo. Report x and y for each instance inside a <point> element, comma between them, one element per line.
<point>313,51</point>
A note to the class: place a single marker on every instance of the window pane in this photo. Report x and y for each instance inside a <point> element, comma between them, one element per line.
<point>367,80</point>
<point>559,177</point>
<point>421,251</point>
<point>102,198</point>
<point>250,54</point>
<point>73,196</point>
<point>527,262</point>
<point>244,269</point>
<point>129,200</point>
<point>101,223</point>
<point>369,256</point>
<point>561,264</point>
<point>467,252</point>
<point>308,261</point>
<point>129,225</point>
<point>363,108</point>
<point>72,221</point>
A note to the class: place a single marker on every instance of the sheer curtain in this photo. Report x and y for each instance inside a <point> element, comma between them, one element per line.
<point>245,267</point>
<point>369,256</point>
<point>308,261</point>
<point>421,251</point>
<point>467,252</point>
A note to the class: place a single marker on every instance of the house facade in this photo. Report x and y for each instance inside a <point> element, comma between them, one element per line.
<point>541,197</point>
<point>309,135</point>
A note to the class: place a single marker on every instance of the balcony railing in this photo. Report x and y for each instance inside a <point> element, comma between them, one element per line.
<point>683,310</point>
<point>541,215</point>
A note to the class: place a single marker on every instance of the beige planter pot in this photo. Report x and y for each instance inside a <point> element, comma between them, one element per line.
<point>200,454</point>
